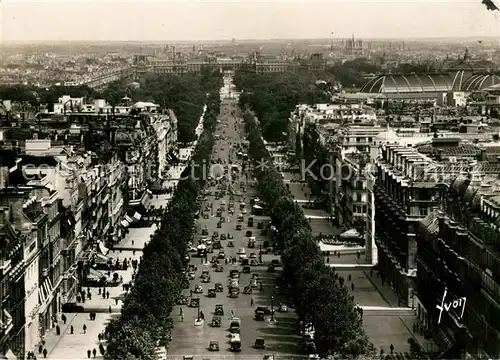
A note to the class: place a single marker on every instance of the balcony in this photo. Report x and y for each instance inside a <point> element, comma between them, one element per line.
<point>5,266</point>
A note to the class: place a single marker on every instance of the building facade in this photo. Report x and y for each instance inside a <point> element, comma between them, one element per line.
<point>458,253</point>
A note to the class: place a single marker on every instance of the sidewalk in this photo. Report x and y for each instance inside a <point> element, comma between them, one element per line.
<point>69,346</point>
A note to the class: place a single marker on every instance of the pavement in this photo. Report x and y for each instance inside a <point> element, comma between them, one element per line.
<point>187,339</point>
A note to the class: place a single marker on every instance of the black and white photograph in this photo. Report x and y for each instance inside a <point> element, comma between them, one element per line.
<point>250,179</point>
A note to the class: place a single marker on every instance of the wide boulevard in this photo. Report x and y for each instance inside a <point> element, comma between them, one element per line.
<point>189,338</point>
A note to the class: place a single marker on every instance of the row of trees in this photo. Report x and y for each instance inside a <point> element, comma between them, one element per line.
<point>158,282</point>
<point>273,96</point>
<point>315,290</point>
<point>185,94</point>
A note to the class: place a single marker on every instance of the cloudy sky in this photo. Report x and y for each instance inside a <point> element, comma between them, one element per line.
<point>165,20</point>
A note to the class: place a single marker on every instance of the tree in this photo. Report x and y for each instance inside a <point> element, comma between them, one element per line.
<point>313,288</point>
<point>127,339</point>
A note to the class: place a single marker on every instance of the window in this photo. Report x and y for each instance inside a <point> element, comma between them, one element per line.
<point>358,197</point>
<point>423,212</point>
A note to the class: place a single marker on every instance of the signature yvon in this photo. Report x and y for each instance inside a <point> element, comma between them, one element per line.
<point>455,304</point>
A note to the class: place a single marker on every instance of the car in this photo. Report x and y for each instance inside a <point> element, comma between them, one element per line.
<point>242,258</point>
<point>191,275</point>
<point>219,268</point>
<point>212,293</point>
<point>214,345</point>
<point>219,225</point>
<point>230,236</point>
<point>270,268</point>
<point>253,256</point>
<point>268,357</point>
<point>264,309</point>
<point>241,251</point>
<point>234,293</point>
<point>221,255</point>
<point>219,310</point>
<point>238,227</point>
<point>219,287</point>
<point>259,315</point>
<point>230,243</point>
<point>208,242</point>
<point>198,289</point>
<point>195,302</point>
<point>223,202</point>
<point>216,321</point>
<point>283,308</point>
<point>72,307</point>
<point>235,337</point>
<point>244,211</point>
<point>260,343</point>
<point>183,300</point>
<point>223,236</point>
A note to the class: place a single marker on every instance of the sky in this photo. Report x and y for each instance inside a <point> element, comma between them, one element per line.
<point>165,20</point>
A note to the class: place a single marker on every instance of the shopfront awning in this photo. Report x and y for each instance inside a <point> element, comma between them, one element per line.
<point>101,259</point>
<point>137,216</point>
<point>125,223</point>
<point>95,275</point>
<point>128,218</point>
<point>144,201</point>
<point>103,249</point>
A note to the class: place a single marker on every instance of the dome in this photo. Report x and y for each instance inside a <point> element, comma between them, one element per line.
<point>479,82</point>
<point>409,83</point>
<point>460,185</point>
<point>470,193</point>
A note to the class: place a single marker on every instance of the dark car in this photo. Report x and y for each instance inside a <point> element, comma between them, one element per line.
<point>72,308</point>
<point>219,287</point>
<point>219,310</point>
<point>264,309</point>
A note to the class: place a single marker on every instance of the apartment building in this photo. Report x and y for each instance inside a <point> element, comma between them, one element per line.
<point>408,186</point>
<point>63,201</point>
<point>458,253</point>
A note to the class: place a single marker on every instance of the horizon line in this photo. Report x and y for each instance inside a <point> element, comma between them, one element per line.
<point>34,42</point>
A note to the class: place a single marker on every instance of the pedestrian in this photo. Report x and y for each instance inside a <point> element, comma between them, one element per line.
<point>349,277</point>
<point>44,353</point>
<point>251,301</point>
<point>116,301</point>
<point>109,308</point>
<point>84,328</point>
<point>88,353</point>
<point>352,286</point>
<point>391,348</point>
<point>107,294</point>
<point>90,315</point>
<point>63,318</point>
<point>78,298</point>
<point>101,349</point>
<point>40,348</point>
<point>89,296</point>
<point>71,330</point>
<point>58,330</point>
<point>99,293</point>
<point>99,336</point>
<point>94,352</point>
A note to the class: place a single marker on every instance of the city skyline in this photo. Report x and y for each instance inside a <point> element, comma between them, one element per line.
<point>39,21</point>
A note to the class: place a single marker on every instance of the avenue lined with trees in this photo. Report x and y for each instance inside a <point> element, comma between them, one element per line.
<point>146,310</point>
<point>273,96</point>
<point>314,289</point>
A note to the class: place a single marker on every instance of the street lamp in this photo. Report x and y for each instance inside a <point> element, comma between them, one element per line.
<point>272,308</point>
<point>198,311</point>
